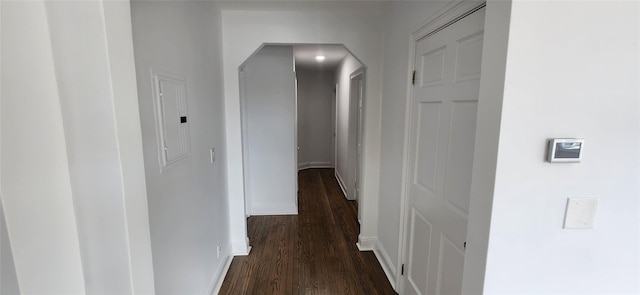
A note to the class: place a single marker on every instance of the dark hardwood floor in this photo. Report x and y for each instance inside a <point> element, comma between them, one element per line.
<point>312,253</point>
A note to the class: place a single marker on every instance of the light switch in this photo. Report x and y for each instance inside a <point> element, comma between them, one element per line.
<point>581,213</point>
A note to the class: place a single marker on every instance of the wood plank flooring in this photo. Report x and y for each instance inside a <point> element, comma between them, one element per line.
<point>312,253</point>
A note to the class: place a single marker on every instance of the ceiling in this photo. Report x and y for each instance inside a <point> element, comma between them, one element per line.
<point>305,55</point>
<point>375,6</point>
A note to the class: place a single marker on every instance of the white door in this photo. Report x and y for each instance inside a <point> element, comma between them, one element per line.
<point>443,112</point>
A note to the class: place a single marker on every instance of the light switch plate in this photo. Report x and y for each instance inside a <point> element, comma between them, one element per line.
<point>581,213</point>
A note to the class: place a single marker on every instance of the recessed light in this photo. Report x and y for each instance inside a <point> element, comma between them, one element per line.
<point>320,57</point>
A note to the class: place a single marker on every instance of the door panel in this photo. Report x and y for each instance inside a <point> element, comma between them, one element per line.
<point>460,158</point>
<point>451,266</point>
<point>427,151</point>
<point>419,248</point>
<point>469,56</point>
<point>442,138</point>
<point>432,67</point>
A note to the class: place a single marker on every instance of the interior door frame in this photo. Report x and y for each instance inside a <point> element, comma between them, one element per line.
<point>359,122</point>
<point>445,17</point>
<point>296,144</point>
<point>334,127</point>
<point>245,140</point>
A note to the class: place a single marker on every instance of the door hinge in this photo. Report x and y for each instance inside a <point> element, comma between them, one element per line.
<point>465,244</point>
<point>413,79</point>
<point>402,270</point>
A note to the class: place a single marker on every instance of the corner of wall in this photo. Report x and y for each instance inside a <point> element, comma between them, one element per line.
<point>373,244</point>
<point>386,263</point>
<point>240,248</point>
<point>366,243</point>
<point>341,183</point>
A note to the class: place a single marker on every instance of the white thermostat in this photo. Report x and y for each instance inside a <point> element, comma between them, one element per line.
<point>565,150</point>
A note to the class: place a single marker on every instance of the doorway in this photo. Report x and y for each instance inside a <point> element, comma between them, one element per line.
<point>288,104</point>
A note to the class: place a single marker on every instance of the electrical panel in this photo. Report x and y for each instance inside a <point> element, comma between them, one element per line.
<point>172,124</point>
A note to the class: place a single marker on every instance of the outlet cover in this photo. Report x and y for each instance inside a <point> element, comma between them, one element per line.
<point>581,213</point>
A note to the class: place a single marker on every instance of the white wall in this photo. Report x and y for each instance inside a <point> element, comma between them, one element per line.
<point>118,27</point>
<point>571,71</point>
<point>83,226</point>
<point>188,202</point>
<point>8,279</point>
<point>269,113</point>
<point>357,27</point>
<point>315,117</point>
<point>94,65</point>
<point>40,218</point>
<point>346,132</point>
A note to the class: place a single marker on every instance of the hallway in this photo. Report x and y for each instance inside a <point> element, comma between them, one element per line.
<point>312,253</point>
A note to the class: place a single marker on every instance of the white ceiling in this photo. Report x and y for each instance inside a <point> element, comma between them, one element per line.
<point>305,55</point>
<point>375,6</point>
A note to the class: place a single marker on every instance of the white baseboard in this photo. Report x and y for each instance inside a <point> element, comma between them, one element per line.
<point>274,209</point>
<point>342,186</point>
<point>310,165</point>
<point>240,248</point>
<point>218,278</point>
<point>386,263</point>
<point>366,243</point>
